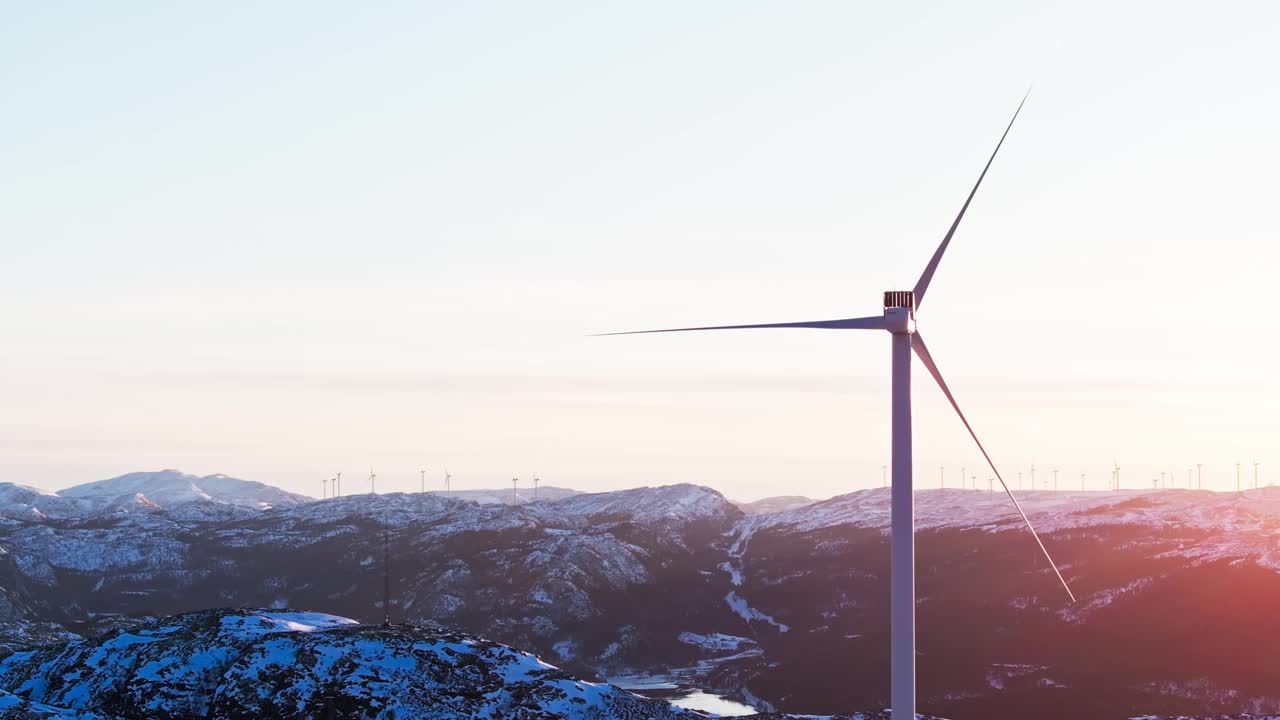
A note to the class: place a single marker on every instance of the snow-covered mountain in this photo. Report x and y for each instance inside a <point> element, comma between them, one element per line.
<point>774,504</point>
<point>169,488</point>
<point>785,609</point>
<point>504,496</point>
<point>225,664</point>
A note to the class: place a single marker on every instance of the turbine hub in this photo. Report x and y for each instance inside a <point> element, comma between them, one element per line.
<point>900,311</point>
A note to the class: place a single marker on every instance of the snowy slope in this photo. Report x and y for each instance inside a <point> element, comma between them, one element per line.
<point>21,502</point>
<point>504,496</point>
<point>282,664</point>
<point>167,488</point>
<point>681,503</point>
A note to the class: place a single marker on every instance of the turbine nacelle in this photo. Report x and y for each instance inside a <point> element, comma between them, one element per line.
<point>900,311</point>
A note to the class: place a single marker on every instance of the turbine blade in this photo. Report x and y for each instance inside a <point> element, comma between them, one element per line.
<point>917,344</point>
<point>875,322</point>
<point>927,276</point>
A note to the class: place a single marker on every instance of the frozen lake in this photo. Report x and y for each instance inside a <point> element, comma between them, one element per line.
<point>683,696</point>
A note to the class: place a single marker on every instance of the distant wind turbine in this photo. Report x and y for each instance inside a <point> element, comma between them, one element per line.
<point>447,481</point>
<point>1199,477</point>
<point>337,479</point>
<point>423,473</point>
<point>515,498</point>
<point>373,486</point>
<point>535,488</point>
<point>1116,477</point>
<point>899,319</point>
<point>1255,474</point>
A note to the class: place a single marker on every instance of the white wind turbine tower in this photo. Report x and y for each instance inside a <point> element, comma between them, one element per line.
<point>899,319</point>
<point>423,473</point>
<point>1255,474</point>
<point>447,479</point>
<point>1116,476</point>
<point>515,497</point>
<point>337,484</point>
<point>373,487</point>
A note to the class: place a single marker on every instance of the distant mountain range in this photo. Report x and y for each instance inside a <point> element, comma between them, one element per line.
<point>783,609</point>
<point>143,492</point>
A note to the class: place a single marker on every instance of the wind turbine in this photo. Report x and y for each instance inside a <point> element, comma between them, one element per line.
<point>373,485</point>
<point>1199,477</point>
<point>423,473</point>
<point>515,497</point>
<point>1237,477</point>
<point>942,477</point>
<point>1255,474</point>
<point>337,479</point>
<point>447,479</point>
<point>324,489</point>
<point>899,319</point>
<point>1117,475</point>
<point>535,488</point>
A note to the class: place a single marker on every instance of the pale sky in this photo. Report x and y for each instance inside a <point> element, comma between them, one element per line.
<point>288,239</point>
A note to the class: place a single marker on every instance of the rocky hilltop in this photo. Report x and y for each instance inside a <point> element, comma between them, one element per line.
<point>242,664</point>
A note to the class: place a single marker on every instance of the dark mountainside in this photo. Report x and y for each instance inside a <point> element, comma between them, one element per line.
<point>789,608</point>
